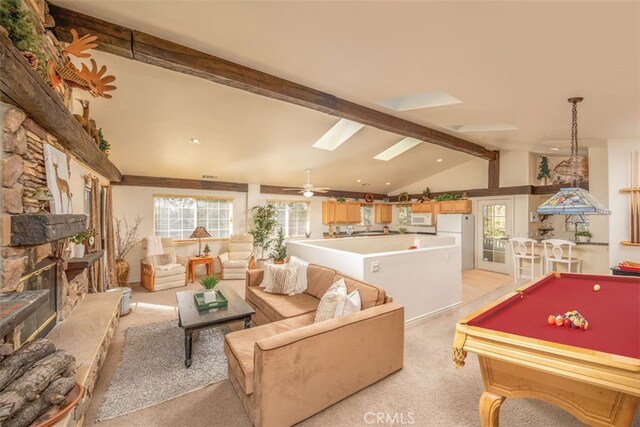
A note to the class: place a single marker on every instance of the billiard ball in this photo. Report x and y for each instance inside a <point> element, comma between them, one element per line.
<point>551,319</point>
<point>596,287</point>
<point>559,321</point>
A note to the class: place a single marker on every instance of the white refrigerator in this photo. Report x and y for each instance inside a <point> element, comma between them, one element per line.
<point>460,226</point>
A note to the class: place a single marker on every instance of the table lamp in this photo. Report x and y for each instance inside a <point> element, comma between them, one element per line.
<point>199,233</point>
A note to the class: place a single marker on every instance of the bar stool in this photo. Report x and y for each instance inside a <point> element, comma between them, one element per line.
<point>558,251</point>
<point>524,249</point>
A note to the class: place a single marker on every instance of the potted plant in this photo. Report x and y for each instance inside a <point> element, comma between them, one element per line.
<point>544,173</point>
<point>279,252</point>
<point>78,242</point>
<point>264,224</point>
<point>583,236</point>
<point>209,284</point>
<point>402,230</point>
<point>426,193</point>
<point>341,199</point>
<point>206,250</point>
<point>125,239</point>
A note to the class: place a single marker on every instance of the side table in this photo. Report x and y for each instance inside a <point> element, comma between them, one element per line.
<point>193,261</point>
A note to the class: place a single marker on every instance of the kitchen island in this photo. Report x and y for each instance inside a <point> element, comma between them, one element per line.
<point>425,280</point>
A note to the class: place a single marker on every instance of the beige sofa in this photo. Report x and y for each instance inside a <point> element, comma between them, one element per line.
<point>288,368</point>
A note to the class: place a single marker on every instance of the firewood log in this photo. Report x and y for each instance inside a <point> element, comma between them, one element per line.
<point>29,386</point>
<point>16,364</point>
<point>54,394</point>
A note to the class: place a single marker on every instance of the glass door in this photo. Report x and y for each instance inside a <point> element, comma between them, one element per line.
<point>494,229</point>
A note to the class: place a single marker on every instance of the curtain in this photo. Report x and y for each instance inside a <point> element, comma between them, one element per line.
<point>97,284</point>
<point>110,246</point>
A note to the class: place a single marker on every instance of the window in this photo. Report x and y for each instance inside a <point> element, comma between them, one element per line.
<point>177,217</point>
<point>404,214</point>
<point>293,217</point>
<point>366,215</point>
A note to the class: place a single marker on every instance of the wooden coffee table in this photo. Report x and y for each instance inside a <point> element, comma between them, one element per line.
<point>191,319</point>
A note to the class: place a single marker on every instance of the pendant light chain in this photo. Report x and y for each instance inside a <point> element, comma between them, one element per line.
<point>574,161</point>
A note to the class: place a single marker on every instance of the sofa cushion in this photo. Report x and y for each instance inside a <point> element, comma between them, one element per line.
<point>332,302</point>
<point>236,263</point>
<point>239,346</point>
<point>370,296</point>
<point>172,271</point>
<point>240,255</point>
<point>279,307</point>
<point>283,280</point>
<point>319,279</point>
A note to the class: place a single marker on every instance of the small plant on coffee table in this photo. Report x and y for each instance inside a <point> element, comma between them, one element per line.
<point>206,250</point>
<point>279,252</point>
<point>209,283</point>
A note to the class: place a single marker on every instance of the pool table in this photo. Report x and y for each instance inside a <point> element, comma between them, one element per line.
<point>593,374</point>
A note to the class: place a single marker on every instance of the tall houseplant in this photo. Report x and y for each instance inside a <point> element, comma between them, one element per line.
<point>125,239</point>
<point>264,224</point>
<point>279,252</point>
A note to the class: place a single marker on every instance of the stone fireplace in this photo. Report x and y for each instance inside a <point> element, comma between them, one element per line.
<point>34,244</point>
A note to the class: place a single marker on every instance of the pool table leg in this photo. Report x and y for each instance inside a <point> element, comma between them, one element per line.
<point>490,404</point>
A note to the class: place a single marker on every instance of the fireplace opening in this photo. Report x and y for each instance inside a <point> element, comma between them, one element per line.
<point>40,323</point>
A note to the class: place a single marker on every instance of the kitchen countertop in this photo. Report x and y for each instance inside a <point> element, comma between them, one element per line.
<point>374,233</point>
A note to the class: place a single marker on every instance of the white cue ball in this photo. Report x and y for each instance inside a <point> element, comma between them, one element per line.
<point>596,287</point>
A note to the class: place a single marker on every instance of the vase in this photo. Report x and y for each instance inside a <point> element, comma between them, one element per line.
<point>78,250</point>
<point>278,261</point>
<point>122,272</point>
<point>209,295</point>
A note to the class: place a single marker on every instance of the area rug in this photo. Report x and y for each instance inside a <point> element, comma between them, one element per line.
<point>151,369</point>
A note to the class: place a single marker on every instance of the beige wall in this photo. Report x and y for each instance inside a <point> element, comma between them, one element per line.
<point>465,176</point>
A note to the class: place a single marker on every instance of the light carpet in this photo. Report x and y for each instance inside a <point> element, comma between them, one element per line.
<point>151,369</point>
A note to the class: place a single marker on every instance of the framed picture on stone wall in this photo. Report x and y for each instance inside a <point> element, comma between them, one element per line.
<point>57,168</point>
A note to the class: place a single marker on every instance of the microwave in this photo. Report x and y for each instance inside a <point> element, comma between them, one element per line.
<point>421,219</point>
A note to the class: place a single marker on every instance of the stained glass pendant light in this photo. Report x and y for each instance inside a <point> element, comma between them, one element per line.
<point>573,200</point>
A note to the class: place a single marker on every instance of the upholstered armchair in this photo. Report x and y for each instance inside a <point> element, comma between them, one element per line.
<point>160,268</point>
<point>239,258</point>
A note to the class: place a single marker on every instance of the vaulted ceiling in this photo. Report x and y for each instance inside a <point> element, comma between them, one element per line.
<point>513,62</point>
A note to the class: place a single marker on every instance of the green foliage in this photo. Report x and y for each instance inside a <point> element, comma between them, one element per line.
<point>206,249</point>
<point>341,199</point>
<point>19,23</point>
<point>82,236</point>
<point>264,224</point>
<point>447,196</point>
<point>279,251</point>
<point>402,230</point>
<point>426,193</point>
<point>543,168</point>
<point>209,282</point>
<point>104,144</point>
<point>584,234</point>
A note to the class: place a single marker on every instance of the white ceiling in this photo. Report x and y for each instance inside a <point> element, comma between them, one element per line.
<point>514,62</point>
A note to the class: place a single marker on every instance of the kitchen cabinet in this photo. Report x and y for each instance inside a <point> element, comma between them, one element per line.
<point>425,207</point>
<point>382,214</point>
<point>340,212</point>
<point>455,207</point>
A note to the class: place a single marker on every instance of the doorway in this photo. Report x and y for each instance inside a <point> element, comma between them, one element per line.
<point>494,228</point>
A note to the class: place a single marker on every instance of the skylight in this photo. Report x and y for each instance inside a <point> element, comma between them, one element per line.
<point>484,127</point>
<point>397,149</point>
<point>338,134</point>
<point>436,98</point>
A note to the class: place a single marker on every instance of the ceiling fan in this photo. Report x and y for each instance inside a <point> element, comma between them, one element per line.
<point>308,189</point>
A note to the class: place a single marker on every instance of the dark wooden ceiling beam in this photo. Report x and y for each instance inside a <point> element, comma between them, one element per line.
<point>189,184</point>
<point>149,49</point>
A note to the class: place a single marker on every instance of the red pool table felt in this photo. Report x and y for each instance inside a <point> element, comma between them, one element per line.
<point>613,312</point>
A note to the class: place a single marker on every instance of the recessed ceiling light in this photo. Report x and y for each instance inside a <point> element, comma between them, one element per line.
<point>436,98</point>
<point>194,140</point>
<point>338,134</point>
<point>483,127</point>
<point>387,183</point>
<point>439,160</point>
<point>358,180</point>
<point>397,149</point>
<point>554,149</point>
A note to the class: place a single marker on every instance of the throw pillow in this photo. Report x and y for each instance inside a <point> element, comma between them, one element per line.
<point>162,259</point>
<point>302,265</point>
<point>330,301</point>
<point>266,274</point>
<point>352,304</point>
<point>283,281</point>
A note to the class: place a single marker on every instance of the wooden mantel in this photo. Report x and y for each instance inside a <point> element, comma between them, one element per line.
<point>143,47</point>
<point>22,86</point>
